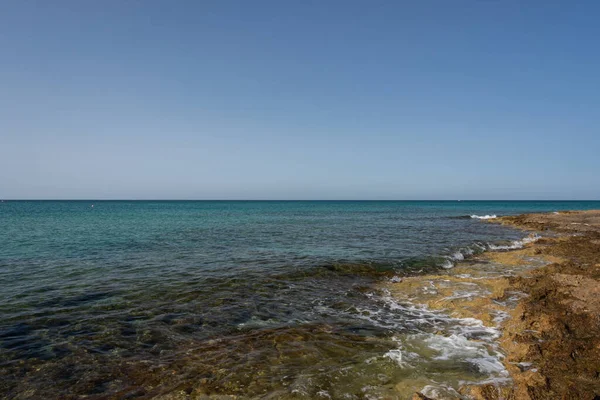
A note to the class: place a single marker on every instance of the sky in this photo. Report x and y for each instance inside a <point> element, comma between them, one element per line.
<point>222,99</point>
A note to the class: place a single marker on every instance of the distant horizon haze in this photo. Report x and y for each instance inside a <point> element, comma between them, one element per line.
<point>314,200</point>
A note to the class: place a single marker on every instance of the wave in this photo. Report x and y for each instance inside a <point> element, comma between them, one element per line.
<point>516,244</point>
<point>449,261</point>
<point>474,216</point>
<point>396,269</point>
<point>462,254</point>
<point>492,216</point>
<point>464,340</point>
<point>458,255</point>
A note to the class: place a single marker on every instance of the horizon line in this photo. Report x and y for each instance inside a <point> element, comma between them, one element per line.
<point>290,200</point>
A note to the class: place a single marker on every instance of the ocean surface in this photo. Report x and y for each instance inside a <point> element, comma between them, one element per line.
<point>259,299</point>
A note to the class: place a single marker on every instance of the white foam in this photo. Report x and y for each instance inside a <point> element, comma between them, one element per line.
<point>525,364</point>
<point>468,340</point>
<point>480,246</point>
<point>458,348</point>
<point>458,255</point>
<point>516,244</point>
<point>484,216</point>
<point>440,392</point>
<point>400,355</point>
<point>472,327</point>
<point>396,355</point>
<point>461,295</point>
<point>500,317</point>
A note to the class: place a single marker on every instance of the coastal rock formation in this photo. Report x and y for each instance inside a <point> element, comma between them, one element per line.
<point>553,336</point>
<point>549,292</point>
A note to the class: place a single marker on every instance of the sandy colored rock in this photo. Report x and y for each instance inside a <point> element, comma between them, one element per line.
<point>552,339</point>
<point>488,392</point>
<point>420,396</point>
<point>552,336</point>
<point>564,221</point>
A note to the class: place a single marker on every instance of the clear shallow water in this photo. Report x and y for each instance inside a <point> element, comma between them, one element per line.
<point>249,298</point>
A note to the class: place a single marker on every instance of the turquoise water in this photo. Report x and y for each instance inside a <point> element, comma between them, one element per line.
<point>142,298</point>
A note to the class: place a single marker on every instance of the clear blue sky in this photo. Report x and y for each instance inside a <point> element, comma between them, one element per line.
<point>300,99</point>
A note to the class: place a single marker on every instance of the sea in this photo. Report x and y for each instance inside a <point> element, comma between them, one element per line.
<point>238,299</point>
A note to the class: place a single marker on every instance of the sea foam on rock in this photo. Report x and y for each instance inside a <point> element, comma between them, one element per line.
<point>484,216</point>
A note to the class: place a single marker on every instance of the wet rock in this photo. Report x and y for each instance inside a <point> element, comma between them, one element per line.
<point>556,328</point>
<point>420,396</point>
<point>488,392</point>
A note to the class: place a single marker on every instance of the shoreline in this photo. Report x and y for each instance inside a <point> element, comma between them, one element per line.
<point>466,322</point>
<point>542,299</point>
<point>556,328</point>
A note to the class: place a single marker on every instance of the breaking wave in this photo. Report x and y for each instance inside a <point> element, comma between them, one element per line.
<point>465,341</point>
<point>515,244</point>
<point>464,253</point>
<point>484,216</point>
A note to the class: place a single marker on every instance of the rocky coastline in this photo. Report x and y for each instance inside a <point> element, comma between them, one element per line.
<point>549,293</point>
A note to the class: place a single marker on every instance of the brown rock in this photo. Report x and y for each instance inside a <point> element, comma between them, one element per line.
<point>420,396</point>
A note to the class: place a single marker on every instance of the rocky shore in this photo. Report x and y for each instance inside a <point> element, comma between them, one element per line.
<point>549,294</point>
<point>556,328</point>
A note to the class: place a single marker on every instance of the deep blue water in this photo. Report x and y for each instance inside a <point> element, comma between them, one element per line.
<point>145,281</point>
